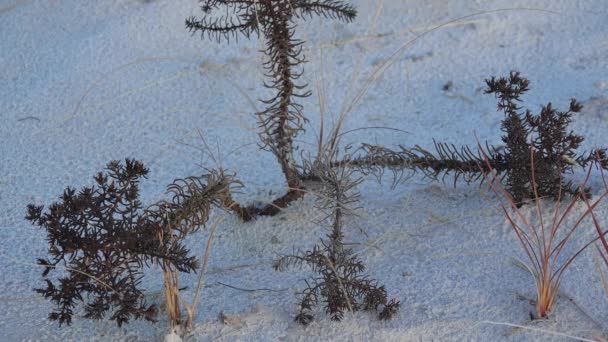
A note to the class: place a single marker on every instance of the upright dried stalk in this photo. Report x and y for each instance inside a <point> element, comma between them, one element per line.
<point>340,282</point>
<point>191,309</point>
<point>187,210</point>
<point>172,298</point>
<point>283,116</point>
<point>602,247</point>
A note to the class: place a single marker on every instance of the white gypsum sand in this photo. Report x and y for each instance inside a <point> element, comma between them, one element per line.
<point>85,82</point>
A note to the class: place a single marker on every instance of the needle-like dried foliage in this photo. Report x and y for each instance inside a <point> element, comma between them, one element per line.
<point>554,146</point>
<point>555,149</point>
<point>191,200</point>
<point>403,163</point>
<point>275,20</point>
<point>340,282</point>
<point>101,237</point>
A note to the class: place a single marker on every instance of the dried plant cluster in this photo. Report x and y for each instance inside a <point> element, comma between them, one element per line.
<point>555,149</point>
<point>340,282</point>
<point>283,116</point>
<point>102,237</point>
<point>544,237</point>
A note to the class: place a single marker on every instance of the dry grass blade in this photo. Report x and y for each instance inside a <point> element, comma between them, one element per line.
<point>543,243</point>
<point>192,307</point>
<point>171,290</point>
<point>600,269</point>
<point>602,247</point>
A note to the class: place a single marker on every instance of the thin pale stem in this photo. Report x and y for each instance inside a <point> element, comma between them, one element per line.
<point>192,310</point>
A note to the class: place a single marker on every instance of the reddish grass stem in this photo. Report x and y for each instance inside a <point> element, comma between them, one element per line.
<point>541,243</point>
<point>603,247</point>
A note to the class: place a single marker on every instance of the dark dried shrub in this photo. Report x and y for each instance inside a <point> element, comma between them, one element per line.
<point>283,116</point>
<point>554,146</point>
<point>102,237</point>
<point>555,149</point>
<point>340,282</point>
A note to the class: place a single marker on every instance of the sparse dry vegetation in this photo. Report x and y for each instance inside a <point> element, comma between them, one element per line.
<point>545,235</point>
<point>339,282</point>
<point>283,117</point>
<point>101,238</point>
<point>555,150</point>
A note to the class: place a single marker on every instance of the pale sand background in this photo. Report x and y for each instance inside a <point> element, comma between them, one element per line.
<point>111,79</point>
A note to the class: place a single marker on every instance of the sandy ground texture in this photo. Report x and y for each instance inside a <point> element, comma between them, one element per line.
<point>85,82</point>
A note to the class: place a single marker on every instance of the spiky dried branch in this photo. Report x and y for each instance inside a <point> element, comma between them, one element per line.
<point>283,117</point>
<point>403,163</point>
<point>555,149</point>
<point>340,282</point>
<point>191,200</point>
<point>554,146</point>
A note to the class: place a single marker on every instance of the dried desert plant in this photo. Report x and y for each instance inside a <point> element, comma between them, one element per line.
<point>340,282</point>
<point>555,149</point>
<point>448,159</point>
<point>543,237</point>
<point>101,237</point>
<point>276,21</point>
